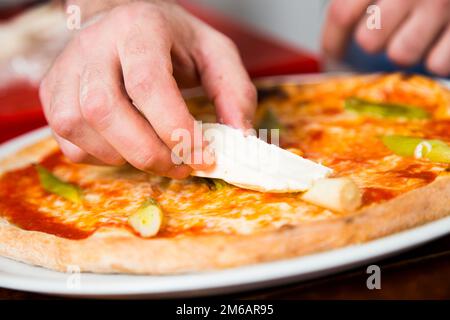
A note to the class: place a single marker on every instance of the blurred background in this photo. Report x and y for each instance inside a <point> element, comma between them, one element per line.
<point>298,22</point>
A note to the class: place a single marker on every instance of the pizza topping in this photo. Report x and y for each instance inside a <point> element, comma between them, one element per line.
<point>147,220</point>
<point>338,194</point>
<point>375,195</point>
<point>351,146</point>
<point>250,163</point>
<point>418,151</point>
<point>385,110</point>
<point>23,201</point>
<point>433,150</point>
<point>53,184</point>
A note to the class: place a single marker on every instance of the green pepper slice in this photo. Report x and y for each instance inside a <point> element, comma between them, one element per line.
<point>433,150</point>
<point>54,185</point>
<point>147,220</point>
<point>385,110</point>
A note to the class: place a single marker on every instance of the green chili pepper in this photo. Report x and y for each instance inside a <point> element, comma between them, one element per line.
<point>147,220</point>
<point>54,185</point>
<point>385,110</point>
<point>433,150</point>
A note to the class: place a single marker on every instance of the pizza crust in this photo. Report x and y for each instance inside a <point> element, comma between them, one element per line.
<point>110,251</point>
<point>30,154</point>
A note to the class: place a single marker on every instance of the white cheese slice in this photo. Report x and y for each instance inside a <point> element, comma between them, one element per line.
<point>251,163</point>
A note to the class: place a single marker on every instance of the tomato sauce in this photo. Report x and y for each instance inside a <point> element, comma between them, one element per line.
<point>375,195</point>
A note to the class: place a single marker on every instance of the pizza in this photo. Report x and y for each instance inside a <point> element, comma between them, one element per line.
<point>388,133</point>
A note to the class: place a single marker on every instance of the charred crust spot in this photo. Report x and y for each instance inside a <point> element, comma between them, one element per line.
<point>349,220</point>
<point>286,227</point>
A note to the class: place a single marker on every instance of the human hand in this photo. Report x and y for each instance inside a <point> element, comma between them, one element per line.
<point>112,96</point>
<point>411,31</point>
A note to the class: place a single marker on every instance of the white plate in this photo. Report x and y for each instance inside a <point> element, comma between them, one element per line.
<point>16,275</point>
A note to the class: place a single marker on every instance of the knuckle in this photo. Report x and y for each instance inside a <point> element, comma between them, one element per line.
<point>65,123</point>
<point>86,38</point>
<point>123,15</point>
<point>138,83</point>
<point>227,42</point>
<point>153,13</point>
<point>134,46</point>
<point>96,109</point>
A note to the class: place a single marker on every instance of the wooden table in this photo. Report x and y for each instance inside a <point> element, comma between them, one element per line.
<point>423,273</point>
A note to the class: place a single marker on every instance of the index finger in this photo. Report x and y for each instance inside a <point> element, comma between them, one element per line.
<point>225,80</point>
<point>148,79</point>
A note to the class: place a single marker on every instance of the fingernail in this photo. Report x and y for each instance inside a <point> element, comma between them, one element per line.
<point>241,124</point>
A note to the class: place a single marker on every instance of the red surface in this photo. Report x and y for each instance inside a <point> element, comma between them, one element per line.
<point>12,10</point>
<point>20,109</point>
<point>262,55</point>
